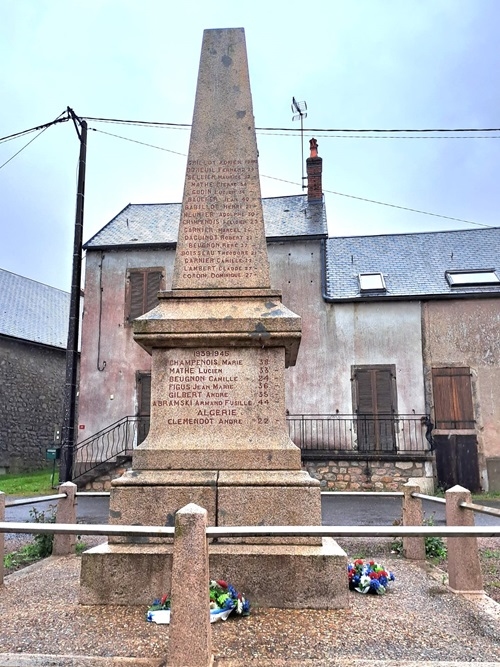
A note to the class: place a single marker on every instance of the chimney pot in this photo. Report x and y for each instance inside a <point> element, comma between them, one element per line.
<point>314,174</point>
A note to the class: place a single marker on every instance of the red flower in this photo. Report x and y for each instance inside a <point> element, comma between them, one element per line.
<point>164,599</point>
<point>222,583</point>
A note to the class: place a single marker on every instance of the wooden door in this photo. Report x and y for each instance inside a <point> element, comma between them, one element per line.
<point>375,406</point>
<point>456,461</point>
<point>456,453</point>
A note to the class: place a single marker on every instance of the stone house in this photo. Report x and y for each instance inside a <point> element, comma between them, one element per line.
<point>373,371</point>
<point>33,338</point>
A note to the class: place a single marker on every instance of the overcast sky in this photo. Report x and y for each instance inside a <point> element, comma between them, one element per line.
<point>357,63</point>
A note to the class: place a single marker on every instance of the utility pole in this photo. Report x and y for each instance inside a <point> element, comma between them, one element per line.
<point>70,388</point>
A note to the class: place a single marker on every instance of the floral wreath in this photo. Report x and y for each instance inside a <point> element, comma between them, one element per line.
<point>224,599</point>
<point>368,577</point>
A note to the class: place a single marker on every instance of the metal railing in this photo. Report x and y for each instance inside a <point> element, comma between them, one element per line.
<point>381,434</point>
<point>118,439</point>
<point>378,434</point>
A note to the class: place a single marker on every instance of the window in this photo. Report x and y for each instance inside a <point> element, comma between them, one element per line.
<point>143,392</point>
<point>452,392</point>
<point>472,278</point>
<point>371,282</point>
<point>374,401</point>
<point>141,291</point>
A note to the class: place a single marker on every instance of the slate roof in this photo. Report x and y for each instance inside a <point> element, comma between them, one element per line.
<point>158,224</point>
<point>413,265</point>
<point>33,311</point>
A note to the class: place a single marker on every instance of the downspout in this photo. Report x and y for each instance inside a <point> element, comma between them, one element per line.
<point>100,318</point>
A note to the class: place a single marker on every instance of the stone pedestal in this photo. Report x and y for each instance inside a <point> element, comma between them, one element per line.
<point>282,576</point>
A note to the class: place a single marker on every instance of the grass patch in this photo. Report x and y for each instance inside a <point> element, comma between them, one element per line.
<point>478,497</point>
<point>29,483</point>
<point>41,547</point>
<point>21,558</point>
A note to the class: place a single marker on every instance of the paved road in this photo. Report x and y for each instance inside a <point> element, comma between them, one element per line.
<point>90,510</point>
<point>336,511</point>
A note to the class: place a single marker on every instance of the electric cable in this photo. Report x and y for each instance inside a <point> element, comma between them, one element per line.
<point>46,127</point>
<point>333,192</point>
<point>135,141</point>
<point>293,130</point>
<point>381,203</point>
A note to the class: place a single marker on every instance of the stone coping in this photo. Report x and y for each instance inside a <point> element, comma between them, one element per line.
<point>324,454</point>
<point>216,478</point>
<point>236,293</point>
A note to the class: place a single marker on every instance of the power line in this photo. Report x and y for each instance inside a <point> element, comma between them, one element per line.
<point>147,123</point>
<point>377,136</point>
<point>44,126</point>
<point>381,203</point>
<point>60,119</point>
<point>47,125</point>
<point>134,141</point>
<point>333,192</point>
<point>293,130</point>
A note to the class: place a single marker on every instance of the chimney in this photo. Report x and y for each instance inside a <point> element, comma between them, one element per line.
<point>314,172</point>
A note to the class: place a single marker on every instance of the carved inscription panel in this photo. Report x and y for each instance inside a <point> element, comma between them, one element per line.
<point>217,394</point>
<point>221,237</point>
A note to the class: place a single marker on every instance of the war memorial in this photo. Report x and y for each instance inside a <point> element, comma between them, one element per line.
<point>220,341</point>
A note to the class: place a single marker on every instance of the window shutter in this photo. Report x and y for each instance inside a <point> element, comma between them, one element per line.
<point>153,280</point>
<point>383,386</point>
<point>452,391</point>
<point>374,391</point>
<point>364,392</point>
<point>136,279</point>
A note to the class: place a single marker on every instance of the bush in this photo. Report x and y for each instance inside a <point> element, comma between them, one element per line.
<point>43,543</point>
<point>435,548</point>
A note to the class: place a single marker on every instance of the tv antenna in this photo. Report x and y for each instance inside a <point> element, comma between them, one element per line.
<point>299,110</point>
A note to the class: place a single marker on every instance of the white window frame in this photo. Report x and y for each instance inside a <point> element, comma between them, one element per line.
<point>472,278</point>
<point>374,277</point>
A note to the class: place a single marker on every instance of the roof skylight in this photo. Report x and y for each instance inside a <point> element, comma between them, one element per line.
<point>371,282</point>
<point>472,278</point>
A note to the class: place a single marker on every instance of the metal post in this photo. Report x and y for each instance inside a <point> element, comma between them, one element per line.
<point>70,389</point>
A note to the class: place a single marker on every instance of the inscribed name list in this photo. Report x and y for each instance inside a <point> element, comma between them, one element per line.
<point>221,240</point>
<point>223,391</point>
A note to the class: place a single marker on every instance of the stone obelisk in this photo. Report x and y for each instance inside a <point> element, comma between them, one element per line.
<point>220,341</point>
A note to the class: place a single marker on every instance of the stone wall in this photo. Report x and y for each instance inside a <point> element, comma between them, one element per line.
<point>31,402</point>
<point>338,475</point>
<point>373,475</point>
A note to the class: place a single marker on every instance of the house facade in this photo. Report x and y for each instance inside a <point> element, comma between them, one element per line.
<point>375,316</point>
<point>33,337</point>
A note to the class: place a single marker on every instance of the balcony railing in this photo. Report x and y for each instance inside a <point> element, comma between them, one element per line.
<point>389,434</point>
<point>382,434</point>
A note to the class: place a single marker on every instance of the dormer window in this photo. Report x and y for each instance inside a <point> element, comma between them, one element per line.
<point>472,278</point>
<point>371,282</point>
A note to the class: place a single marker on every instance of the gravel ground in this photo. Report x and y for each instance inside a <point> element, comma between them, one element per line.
<point>419,619</point>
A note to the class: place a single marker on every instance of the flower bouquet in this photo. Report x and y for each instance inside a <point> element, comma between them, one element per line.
<point>369,577</point>
<point>224,599</point>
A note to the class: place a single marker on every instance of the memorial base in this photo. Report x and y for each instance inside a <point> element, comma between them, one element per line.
<point>280,576</point>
